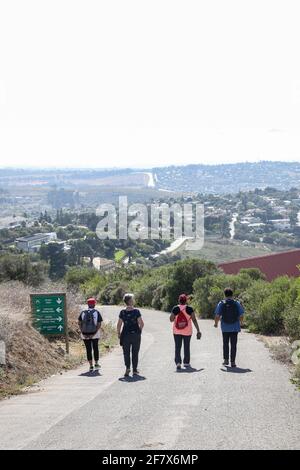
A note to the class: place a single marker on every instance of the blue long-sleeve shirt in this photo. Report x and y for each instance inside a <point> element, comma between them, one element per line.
<point>230,327</point>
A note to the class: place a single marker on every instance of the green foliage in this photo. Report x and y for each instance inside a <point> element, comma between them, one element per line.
<point>183,277</point>
<point>57,258</point>
<point>209,290</point>
<point>144,294</point>
<point>113,293</point>
<point>291,321</point>
<point>268,319</point>
<point>92,287</point>
<point>21,268</point>
<point>266,303</point>
<point>77,275</point>
<point>119,255</point>
<point>254,273</point>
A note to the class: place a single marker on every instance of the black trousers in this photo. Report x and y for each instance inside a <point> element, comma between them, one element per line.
<point>131,344</point>
<point>232,339</point>
<point>186,346</point>
<point>91,345</point>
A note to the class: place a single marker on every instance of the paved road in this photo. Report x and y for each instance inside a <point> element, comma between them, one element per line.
<point>255,407</point>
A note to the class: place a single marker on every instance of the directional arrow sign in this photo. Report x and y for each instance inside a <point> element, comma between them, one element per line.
<point>49,313</point>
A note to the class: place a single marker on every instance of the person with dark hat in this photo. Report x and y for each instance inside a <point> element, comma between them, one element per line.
<point>90,321</point>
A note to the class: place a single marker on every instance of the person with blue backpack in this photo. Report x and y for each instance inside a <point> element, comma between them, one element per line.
<point>230,312</point>
<point>90,321</point>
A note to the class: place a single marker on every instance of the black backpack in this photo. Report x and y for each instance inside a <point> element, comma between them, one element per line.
<point>88,326</point>
<point>130,321</point>
<point>229,311</point>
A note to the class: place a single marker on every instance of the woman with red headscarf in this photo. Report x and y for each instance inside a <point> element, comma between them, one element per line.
<point>182,317</point>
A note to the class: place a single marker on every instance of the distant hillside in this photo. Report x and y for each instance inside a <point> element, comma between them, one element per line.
<point>220,251</point>
<point>225,178</point>
<point>228,178</point>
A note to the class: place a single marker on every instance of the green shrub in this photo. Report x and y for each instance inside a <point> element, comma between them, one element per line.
<point>144,295</point>
<point>113,293</point>
<point>297,372</point>
<point>21,268</point>
<point>158,296</point>
<point>78,275</point>
<point>182,279</point>
<point>268,318</point>
<point>209,290</point>
<point>291,321</point>
<point>117,294</point>
<point>254,273</point>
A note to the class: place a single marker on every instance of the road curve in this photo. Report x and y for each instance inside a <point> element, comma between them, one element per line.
<point>255,407</point>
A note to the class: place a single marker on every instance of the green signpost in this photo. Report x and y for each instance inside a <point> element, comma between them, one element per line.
<point>49,314</point>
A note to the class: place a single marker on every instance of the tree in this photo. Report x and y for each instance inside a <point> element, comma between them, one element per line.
<point>183,277</point>
<point>54,253</point>
<point>21,268</point>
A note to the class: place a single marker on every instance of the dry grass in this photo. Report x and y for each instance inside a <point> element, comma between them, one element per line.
<point>31,356</point>
<point>279,347</point>
<point>281,350</point>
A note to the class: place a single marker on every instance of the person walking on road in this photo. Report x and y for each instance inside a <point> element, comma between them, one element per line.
<point>129,328</point>
<point>230,312</point>
<point>182,316</point>
<point>90,321</point>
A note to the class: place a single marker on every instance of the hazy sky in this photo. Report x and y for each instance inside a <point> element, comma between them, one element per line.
<point>145,83</point>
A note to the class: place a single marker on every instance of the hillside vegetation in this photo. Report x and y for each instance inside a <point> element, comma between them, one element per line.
<point>272,307</point>
<point>29,355</point>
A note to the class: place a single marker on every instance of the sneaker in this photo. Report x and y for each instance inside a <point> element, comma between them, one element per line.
<point>178,366</point>
<point>233,364</point>
<point>127,372</point>
<point>97,365</point>
<point>91,368</point>
<point>136,372</point>
<point>188,366</point>
<point>226,362</point>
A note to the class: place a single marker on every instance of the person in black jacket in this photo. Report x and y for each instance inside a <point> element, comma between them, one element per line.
<point>129,328</point>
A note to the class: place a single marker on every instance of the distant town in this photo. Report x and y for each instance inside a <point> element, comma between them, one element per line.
<point>250,209</point>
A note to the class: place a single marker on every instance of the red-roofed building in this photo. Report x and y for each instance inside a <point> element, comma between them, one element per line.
<point>273,265</point>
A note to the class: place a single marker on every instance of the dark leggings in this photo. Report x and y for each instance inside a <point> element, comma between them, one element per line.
<point>131,343</point>
<point>232,338</point>
<point>92,345</point>
<point>186,345</point>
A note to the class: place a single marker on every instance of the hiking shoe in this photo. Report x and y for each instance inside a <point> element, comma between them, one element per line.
<point>226,362</point>
<point>127,372</point>
<point>97,365</point>
<point>233,364</point>
<point>136,372</point>
<point>178,366</point>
